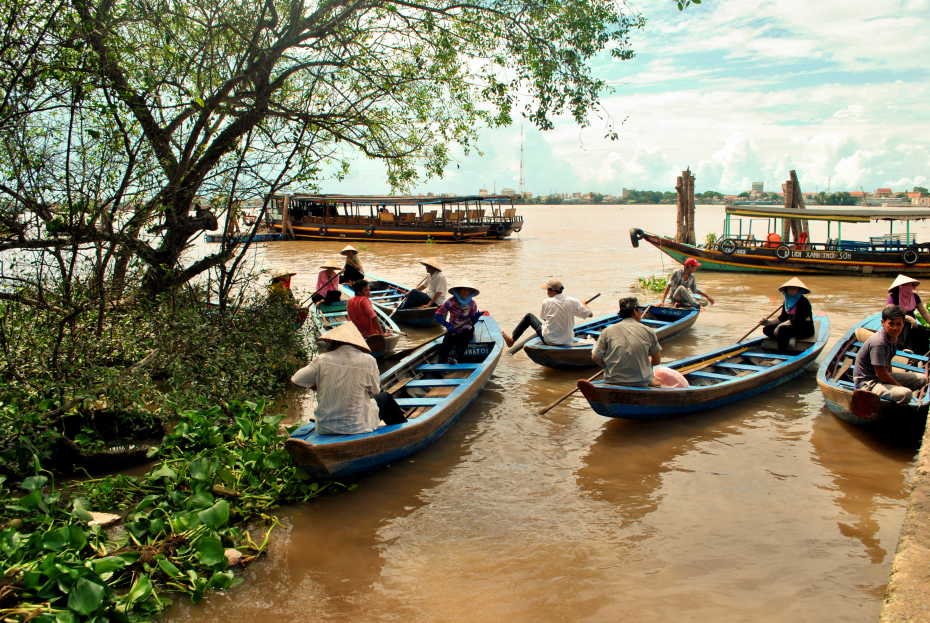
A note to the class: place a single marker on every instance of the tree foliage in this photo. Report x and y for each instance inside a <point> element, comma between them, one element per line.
<point>117,115</point>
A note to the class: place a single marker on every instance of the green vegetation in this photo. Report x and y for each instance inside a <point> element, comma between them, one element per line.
<point>203,509</point>
<point>653,283</point>
<point>835,199</point>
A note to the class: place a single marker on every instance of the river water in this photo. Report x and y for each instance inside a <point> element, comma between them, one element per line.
<point>769,510</point>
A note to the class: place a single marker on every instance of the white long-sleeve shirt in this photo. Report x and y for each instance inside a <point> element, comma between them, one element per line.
<point>558,318</point>
<point>436,284</point>
<point>346,381</point>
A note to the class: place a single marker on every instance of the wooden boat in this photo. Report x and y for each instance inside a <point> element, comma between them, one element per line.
<point>667,321</point>
<point>394,219</point>
<point>334,314</point>
<point>432,396</point>
<point>387,296</point>
<point>717,378</point>
<point>835,379</point>
<point>739,250</point>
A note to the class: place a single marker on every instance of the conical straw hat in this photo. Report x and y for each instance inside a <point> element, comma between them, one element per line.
<point>462,285</point>
<point>348,249</point>
<point>900,280</point>
<point>277,273</point>
<point>431,261</point>
<point>334,264</point>
<point>794,282</point>
<point>347,333</point>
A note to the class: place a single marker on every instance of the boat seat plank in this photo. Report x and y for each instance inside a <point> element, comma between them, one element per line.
<point>436,383</point>
<point>740,366</point>
<point>653,323</point>
<point>846,384</point>
<point>591,333</point>
<point>901,353</point>
<point>438,392</point>
<point>710,375</point>
<point>447,367</point>
<point>425,401</point>
<point>769,355</point>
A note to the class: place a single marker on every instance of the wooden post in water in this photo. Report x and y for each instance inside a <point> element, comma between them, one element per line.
<point>684,230</point>
<point>794,199</point>
<point>287,232</point>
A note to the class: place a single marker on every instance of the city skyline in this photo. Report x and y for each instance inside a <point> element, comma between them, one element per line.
<point>739,94</point>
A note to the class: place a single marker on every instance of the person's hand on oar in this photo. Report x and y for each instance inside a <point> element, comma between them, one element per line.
<point>761,322</point>
<point>407,296</point>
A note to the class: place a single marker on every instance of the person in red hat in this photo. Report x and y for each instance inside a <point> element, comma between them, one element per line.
<point>683,287</point>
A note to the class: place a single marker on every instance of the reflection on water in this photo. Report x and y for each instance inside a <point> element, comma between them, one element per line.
<point>769,510</point>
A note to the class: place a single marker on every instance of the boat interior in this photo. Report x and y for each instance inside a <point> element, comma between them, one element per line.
<point>840,370</point>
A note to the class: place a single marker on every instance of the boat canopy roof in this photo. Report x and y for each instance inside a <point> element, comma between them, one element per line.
<point>845,215</point>
<point>408,200</point>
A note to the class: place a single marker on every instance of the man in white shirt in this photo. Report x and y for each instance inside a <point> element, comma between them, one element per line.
<point>557,326</point>
<point>432,291</point>
<point>349,396</point>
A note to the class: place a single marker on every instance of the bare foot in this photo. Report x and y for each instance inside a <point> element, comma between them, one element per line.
<point>507,339</point>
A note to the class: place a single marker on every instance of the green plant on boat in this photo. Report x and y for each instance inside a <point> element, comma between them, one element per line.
<point>201,511</point>
<point>710,240</point>
<point>653,283</point>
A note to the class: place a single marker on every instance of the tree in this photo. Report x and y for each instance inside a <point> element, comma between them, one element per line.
<point>117,115</point>
<point>920,189</point>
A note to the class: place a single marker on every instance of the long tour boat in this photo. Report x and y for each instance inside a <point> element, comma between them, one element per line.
<point>394,219</point>
<point>776,250</point>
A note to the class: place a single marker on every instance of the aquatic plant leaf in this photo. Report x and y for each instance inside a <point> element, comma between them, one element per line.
<point>216,516</point>
<point>141,589</point>
<point>210,551</point>
<point>86,597</point>
<point>164,472</point>
<point>33,482</point>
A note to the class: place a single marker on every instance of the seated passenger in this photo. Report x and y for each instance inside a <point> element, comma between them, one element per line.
<point>873,371</point>
<point>558,313</point>
<point>903,293</point>
<point>796,319</point>
<point>683,287</point>
<point>345,377</point>
<point>327,284</point>
<point>628,350</point>
<point>463,313</point>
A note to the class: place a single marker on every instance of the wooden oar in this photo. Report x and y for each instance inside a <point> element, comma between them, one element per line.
<point>557,402</point>
<point>517,347</point>
<point>404,300</point>
<point>755,326</point>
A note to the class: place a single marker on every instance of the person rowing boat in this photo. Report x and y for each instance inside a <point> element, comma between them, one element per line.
<point>327,286</point>
<point>558,312</point>
<point>629,349</point>
<point>345,377</point>
<point>431,291</point>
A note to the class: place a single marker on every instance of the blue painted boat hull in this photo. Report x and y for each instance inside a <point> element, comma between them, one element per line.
<point>754,367</point>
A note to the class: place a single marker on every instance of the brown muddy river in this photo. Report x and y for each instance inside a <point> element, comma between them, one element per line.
<point>769,510</point>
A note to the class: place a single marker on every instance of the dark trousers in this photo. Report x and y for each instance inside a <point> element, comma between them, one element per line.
<point>457,342</point>
<point>415,298</point>
<point>916,338</point>
<point>388,409</point>
<point>528,320</point>
<point>784,332</point>
<point>333,296</point>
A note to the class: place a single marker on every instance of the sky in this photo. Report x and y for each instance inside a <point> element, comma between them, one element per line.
<point>738,91</point>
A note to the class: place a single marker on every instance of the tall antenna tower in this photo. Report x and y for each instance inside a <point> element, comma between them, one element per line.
<point>520,183</point>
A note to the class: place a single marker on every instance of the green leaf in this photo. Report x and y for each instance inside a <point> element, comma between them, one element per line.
<point>140,590</point>
<point>216,516</point>
<point>104,566</point>
<point>65,616</point>
<point>210,551</point>
<point>200,469</point>
<point>221,580</point>
<point>33,483</point>
<point>86,597</point>
<point>56,540</point>
<point>168,567</point>
<point>164,472</point>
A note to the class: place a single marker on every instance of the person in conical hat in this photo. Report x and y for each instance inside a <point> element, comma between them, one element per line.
<point>353,269</point>
<point>279,293</point>
<point>462,313</point>
<point>903,293</point>
<point>327,284</point>
<point>432,291</point>
<point>683,288</point>
<point>796,319</point>
<point>345,377</point>
<point>556,321</point>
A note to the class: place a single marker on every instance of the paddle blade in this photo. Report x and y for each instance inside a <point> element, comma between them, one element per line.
<point>865,405</point>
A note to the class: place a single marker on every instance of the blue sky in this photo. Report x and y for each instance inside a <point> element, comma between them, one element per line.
<point>740,92</point>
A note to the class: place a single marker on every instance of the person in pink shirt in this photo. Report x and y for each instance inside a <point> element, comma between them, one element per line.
<point>327,285</point>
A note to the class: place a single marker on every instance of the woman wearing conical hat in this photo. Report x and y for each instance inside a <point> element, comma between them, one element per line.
<point>903,293</point>
<point>462,312</point>
<point>353,270</point>
<point>345,378</point>
<point>279,293</point>
<point>327,284</point>
<point>796,319</point>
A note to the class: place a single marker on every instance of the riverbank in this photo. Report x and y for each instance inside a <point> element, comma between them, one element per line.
<point>907,598</point>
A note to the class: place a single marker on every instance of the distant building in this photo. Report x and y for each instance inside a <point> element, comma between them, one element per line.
<point>883,192</point>
<point>758,187</point>
<point>509,192</point>
<point>625,193</point>
<point>858,194</point>
<point>483,192</point>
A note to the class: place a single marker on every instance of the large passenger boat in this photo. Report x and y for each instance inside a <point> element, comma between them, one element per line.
<point>394,219</point>
<point>772,248</point>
